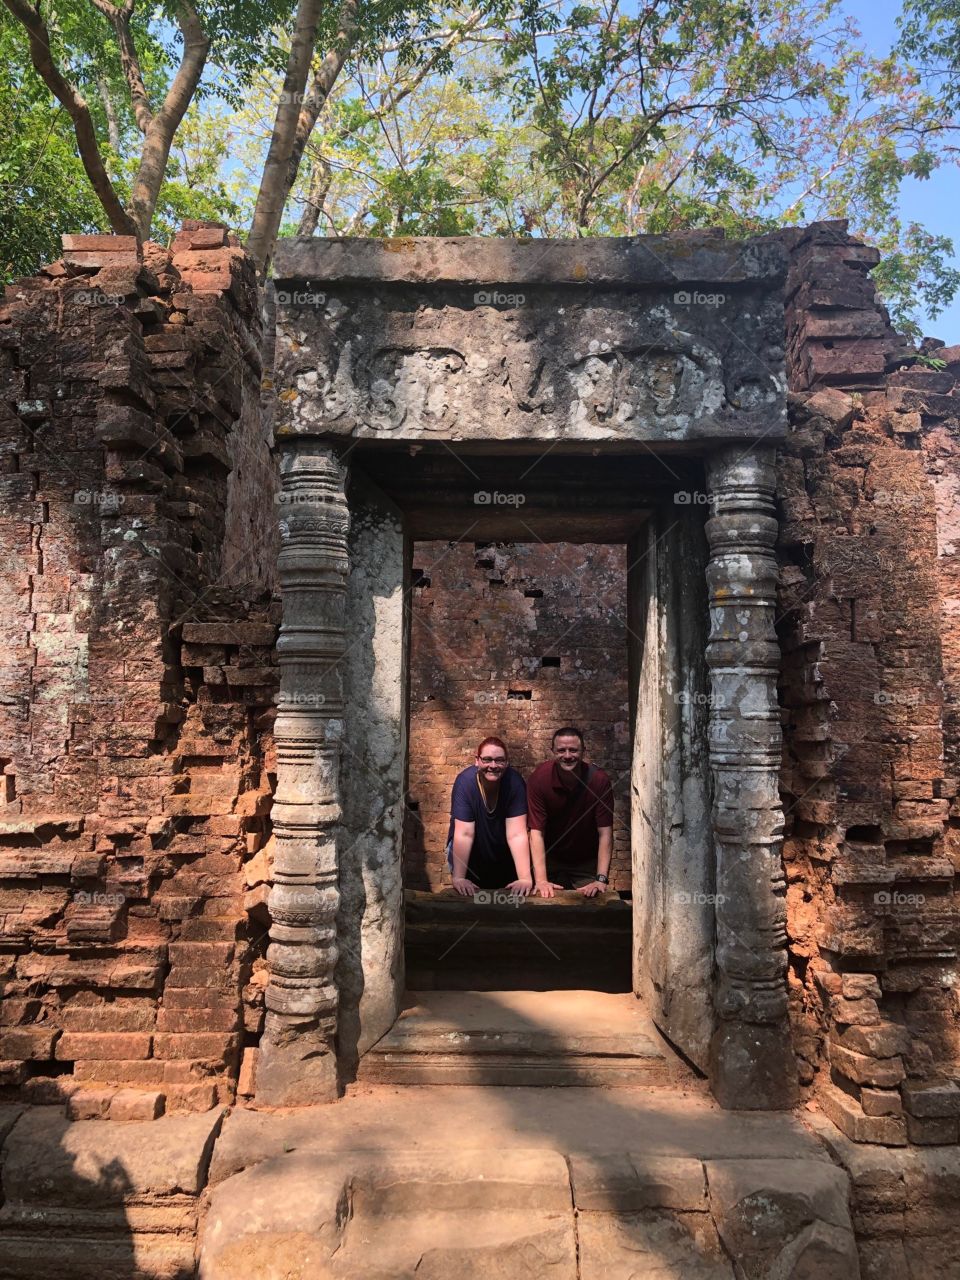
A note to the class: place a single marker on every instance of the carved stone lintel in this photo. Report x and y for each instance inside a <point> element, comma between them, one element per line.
<point>298,1063</point>
<point>751,1063</point>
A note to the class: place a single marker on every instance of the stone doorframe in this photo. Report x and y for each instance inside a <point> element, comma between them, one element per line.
<point>751,1062</point>
<point>385,342</point>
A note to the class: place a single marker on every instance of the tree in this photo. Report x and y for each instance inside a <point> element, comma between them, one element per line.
<point>930,32</point>
<point>588,121</point>
<point>42,188</point>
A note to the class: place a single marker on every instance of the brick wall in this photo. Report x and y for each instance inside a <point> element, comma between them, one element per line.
<point>135,693</point>
<point>513,639</point>
<point>869,629</point>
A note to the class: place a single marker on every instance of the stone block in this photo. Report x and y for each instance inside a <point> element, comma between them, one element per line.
<point>104,1046</point>
<point>137,1104</point>
<point>933,1130</point>
<point>209,1046</point>
<point>790,1216</point>
<point>887,1040</point>
<point>881,1102</point>
<point>89,1104</point>
<point>246,1084</point>
<point>621,1246</point>
<point>854,986</point>
<point>230,633</point>
<point>940,1099</point>
<point>191,1097</point>
<point>862,1069</point>
<point>847,1114</point>
<point>51,1161</point>
<point>21,1044</point>
<point>625,1183</point>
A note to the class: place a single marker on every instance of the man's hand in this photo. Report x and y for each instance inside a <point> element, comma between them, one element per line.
<point>522,887</point>
<point>466,888</point>
<point>546,888</point>
<point>591,890</point>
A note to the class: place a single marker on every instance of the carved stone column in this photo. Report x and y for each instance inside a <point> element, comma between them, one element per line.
<point>752,1064</point>
<point>298,1060</point>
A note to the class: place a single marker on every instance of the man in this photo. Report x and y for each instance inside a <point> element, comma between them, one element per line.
<point>487,845</point>
<point>570,807</point>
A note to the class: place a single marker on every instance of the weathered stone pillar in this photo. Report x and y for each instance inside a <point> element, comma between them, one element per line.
<point>751,1061</point>
<point>298,1061</point>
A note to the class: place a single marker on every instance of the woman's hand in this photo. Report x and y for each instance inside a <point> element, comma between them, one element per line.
<point>523,886</point>
<point>466,888</point>
<point>546,888</point>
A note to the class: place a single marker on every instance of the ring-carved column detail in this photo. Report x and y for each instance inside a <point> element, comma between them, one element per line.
<point>752,1064</point>
<point>298,1060</point>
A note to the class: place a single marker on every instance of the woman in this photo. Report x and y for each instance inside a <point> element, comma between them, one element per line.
<point>487,844</point>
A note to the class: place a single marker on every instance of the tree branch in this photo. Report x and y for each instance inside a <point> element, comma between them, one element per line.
<point>119,19</point>
<point>78,111</point>
<point>324,79</point>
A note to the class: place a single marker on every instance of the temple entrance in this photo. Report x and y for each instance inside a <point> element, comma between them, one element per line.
<point>510,595</point>
<point>414,408</point>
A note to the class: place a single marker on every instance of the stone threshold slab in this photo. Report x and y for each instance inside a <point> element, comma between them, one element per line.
<point>676,1122</point>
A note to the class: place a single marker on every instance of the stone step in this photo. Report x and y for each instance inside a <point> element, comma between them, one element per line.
<point>495,942</point>
<point>476,1213</point>
<point>528,1038</point>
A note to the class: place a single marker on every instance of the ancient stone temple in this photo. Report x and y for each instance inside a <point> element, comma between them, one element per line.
<point>273,568</point>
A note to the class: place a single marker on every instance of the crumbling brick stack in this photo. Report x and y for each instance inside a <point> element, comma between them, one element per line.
<point>135,704</point>
<point>513,639</point>
<point>869,630</point>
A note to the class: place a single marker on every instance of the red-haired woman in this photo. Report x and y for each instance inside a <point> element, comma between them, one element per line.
<point>487,845</point>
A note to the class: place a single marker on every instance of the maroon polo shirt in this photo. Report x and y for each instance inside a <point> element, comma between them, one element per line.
<point>570,811</point>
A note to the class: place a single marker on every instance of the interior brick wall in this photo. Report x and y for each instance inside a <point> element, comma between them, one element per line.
<point>515,640</point>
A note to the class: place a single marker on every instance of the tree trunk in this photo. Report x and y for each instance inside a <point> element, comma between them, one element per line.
<point>275,182</point>
<point>160,132</point>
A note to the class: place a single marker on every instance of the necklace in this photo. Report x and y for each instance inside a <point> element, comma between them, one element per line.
<point>483,796</point>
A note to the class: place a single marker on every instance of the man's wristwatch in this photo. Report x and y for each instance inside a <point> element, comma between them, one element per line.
<point>601,878</point>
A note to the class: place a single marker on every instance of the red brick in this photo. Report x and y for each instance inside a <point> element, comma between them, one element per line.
<point>78,1046</point>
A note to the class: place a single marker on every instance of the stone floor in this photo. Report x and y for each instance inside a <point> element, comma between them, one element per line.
<point>478,1180</point>
<point>523,1038</point>
<point>434,1182</point>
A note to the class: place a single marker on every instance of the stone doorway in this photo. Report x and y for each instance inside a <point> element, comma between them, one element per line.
<point>402,393</point>
<point>605,510</point>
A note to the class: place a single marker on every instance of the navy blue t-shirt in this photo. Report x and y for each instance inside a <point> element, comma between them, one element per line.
<point>491,864</point>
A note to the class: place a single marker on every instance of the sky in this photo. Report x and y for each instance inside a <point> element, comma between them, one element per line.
<point>936,201</point>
